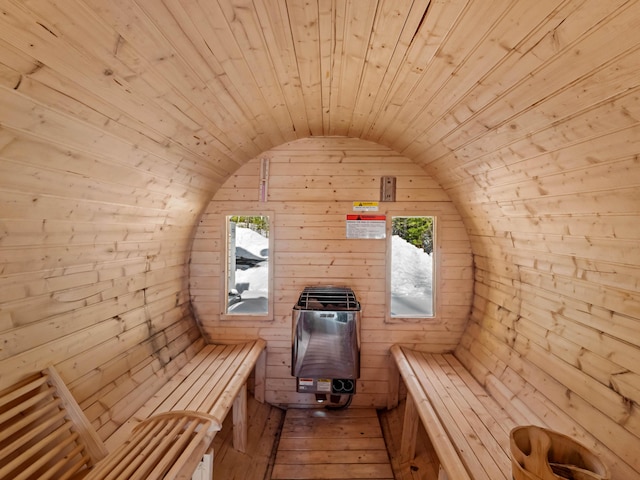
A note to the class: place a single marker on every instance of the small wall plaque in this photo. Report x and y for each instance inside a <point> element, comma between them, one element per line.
<point>387,189</point>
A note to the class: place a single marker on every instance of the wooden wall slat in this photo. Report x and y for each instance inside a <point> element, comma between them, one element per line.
<point>563,49</point>
<point>304,25</point>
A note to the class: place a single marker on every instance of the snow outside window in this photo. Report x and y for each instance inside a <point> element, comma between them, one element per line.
<point>248,265</point>
<point>412,243</point>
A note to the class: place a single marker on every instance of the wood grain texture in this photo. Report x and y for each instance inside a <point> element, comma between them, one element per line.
<point>119,121</point>
<point>324,444</point>
<point>310,248</point>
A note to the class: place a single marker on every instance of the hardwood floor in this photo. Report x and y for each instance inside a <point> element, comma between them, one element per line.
<point>331,444</point>
<point>364,455</point>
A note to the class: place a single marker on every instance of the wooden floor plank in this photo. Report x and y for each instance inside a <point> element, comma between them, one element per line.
<point>335,444</point>
<point>308,457</point>
<point>332,472</point>
<point>331,444</point>
<point>344,428</point>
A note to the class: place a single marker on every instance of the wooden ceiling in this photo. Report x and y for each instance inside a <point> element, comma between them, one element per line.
<point>462,86</point>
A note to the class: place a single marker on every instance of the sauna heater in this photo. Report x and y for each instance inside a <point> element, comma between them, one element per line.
<point>326,342</point>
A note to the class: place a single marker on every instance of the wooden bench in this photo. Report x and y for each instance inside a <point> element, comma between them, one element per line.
<point>45,435</point>
<point>168,446</point>
<point>468,428</point>
<point>210,383</point>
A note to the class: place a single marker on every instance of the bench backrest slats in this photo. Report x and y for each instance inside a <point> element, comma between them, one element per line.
<point>41,436</point>
<point>89,437</point>
<point>55,447</point>
<point>18,390</point>
<point>41,411</point>
<point>162,446</point>
<point>38,429</point>
<point>30,399</point>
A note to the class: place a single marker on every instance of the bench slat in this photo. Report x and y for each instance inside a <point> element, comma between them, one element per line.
<point>439,438</point>
<point>53,445</point>
<point>40,430</point>
<point>480,399</point>
<point>494,421</point>
<point>169,396</point>
<point>235,383</point>
<point>173,457</point>
<point>480,451</point>
<point>217,382</point>
<point>31,401</point>
<point>449,417</point>
<point>469,429</point>
<point>128,459</point>
<point>18,391</point>
<point>209,383</point>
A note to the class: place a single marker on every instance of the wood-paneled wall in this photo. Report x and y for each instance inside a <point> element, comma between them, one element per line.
<point>312,185</point>
<point>546,178</point>
<point>95,231</point>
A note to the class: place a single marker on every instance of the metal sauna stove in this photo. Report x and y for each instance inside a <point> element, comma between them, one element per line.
<point>326,342</point>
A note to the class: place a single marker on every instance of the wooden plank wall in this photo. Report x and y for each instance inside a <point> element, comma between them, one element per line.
<point>312,186</point>
<point>544,171</point>
<point>93,261</point>
<point>96,220</point>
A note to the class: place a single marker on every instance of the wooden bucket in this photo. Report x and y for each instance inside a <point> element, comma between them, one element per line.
<point>541,454</point>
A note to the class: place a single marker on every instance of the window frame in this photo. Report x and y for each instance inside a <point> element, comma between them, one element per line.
<point>389,318</point>
<point>224,291</point>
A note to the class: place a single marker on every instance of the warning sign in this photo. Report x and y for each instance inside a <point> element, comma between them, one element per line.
<point>324,385</point>
<point>366,226</point>
<point>365,206</point>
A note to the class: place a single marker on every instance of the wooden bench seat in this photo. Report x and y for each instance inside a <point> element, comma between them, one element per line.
<point>468,428</point>
<point>210,383</point>
<point>45,435</point>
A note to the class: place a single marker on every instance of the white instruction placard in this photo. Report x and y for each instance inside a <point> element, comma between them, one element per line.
<point>366,226</point>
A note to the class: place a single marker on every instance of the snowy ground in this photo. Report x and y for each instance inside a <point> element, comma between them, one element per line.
<point>411,280</point>
<point>411,277</point>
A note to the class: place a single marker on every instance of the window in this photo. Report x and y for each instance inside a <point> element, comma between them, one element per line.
<point>248,267</point>
<point>412,267</point>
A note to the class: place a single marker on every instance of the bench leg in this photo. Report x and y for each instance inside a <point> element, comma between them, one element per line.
<point>394,385</point>
<point>260,377</point>
<point>204,471</point>
<point>409,431</point>
<point>240,420</point>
